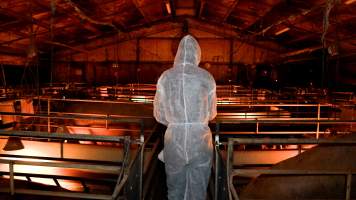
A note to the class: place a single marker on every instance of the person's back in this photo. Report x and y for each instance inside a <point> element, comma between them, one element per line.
<point>188,93</point>
<point>185,101</point>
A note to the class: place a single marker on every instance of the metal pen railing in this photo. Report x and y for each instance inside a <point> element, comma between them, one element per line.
<point>81,116</point>
<point>220,189</point>
<point>117,170</point>
<point>231,172</point>
<point>124,175</point>
<point>91,116</point>
<point>291,121</point>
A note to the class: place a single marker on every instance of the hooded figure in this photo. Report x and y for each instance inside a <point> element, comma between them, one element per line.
<point>185,102</point>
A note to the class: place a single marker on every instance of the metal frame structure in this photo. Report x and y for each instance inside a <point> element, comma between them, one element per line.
<point>223,170</point>
<point>112,169</point>
<point>130,174</point>
<point>234,172</point>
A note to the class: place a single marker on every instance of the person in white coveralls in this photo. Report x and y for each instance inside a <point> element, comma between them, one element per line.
<point>185,102</point>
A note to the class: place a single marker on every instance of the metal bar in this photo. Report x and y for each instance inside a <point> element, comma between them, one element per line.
<point>277,132</point>
<point>63,194</point>
<point>141,171</point>
<point>229,11</point>
<point>48,159</point>
<point>119,186</point>
<point>56,182</point>
<point>106,121</point>
<point>318,123</point>
<point>124,172</point>
<point>279,105</point>
<point>217,142</point>
<point>233,191</point>
<point>283,121</point>
<point>216,177</point>
<point>111,169</point>
<point>62,150</point>
<point>237,172</point>
<point>353,116</point>
<point>56,177</point>
<point>117,118</point>
<point>290,141</point>
<point>238,105</point>
<point>217,128</point>
<point>49,113</point>
<point>143,142</point>
<point>63,136</point>
<point>142,131</point>
<point>348,186</point>
<point>229,163</point>
<point>91,101</point>
<point>12,182</point>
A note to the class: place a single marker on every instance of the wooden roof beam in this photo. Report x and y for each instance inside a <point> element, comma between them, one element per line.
<point>12,51</point>
<point>88,19</point>
<point>139,32</point>
<point>37,34</point>
<point>21,17</point>
<point>11,24</point>
<point>228,31</point>
<point>201,8</point>
<point>288,19</point>
<point>64,13</point>
<point>173,8</point>
<point>139,8</point>
<point>296,13</point>
<point>228,13</point>
<point>60,10</point>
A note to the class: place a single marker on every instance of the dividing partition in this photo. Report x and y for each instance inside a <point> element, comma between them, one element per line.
<point>272,121</point>
<point>90,161</point>
<point>233,172</point>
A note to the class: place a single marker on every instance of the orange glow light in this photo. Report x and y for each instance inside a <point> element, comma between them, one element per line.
<point>282,31</point>
<point>168,6</point>
<point>349,2</point>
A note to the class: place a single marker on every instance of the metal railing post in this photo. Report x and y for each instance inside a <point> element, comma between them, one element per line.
<point>217,142</point>
<point>348,186</point>
<point>353,116</point>
<point>12,181</point>
<point>62,149</point>
<point>142,131</point>
<point>142,140</point>
<point>106,121</point>
<point>229,163</point>
<point>48,113</point>
<point>318,123</point>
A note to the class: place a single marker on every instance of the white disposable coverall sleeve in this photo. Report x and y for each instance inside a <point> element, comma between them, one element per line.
<point>212,104</point>
<point>158,108</point>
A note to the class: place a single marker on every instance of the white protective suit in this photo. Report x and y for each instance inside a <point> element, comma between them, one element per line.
<point>185,101</point>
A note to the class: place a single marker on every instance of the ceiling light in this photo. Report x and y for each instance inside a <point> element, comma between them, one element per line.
<point>282,31</point>
<point>168,6</point>
<point>349,2</point>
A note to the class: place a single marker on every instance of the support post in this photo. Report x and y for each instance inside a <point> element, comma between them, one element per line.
<point>348,186</point>
<point>318,123</point>
<point>48,113</point>
<point>217,142</point>
<point>12,181</point>
<point>229,164</point>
